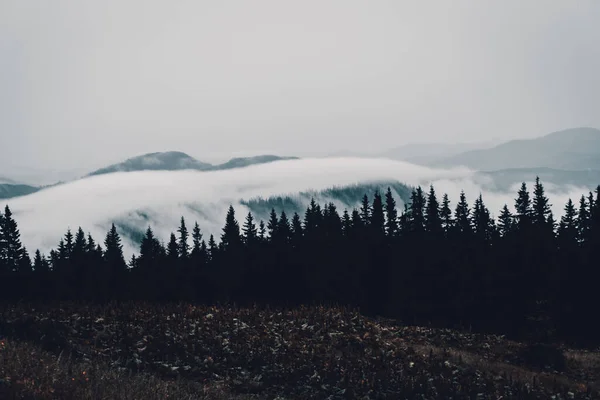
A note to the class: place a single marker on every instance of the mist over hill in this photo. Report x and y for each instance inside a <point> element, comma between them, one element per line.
<point>135,200</point>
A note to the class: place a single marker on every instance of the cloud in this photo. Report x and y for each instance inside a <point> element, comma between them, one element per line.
<point>160,198</point>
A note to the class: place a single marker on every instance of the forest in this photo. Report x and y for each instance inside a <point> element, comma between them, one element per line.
<point>523,274</point>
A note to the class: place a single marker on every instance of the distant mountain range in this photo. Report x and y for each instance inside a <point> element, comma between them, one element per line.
<point>570,150</point>
<point>166,161</point>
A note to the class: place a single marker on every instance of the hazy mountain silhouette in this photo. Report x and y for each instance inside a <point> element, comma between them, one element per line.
<point>575,149</point>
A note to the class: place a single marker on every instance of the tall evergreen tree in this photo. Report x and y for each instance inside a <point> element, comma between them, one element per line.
<point>231,236</point>
<point>196,241</point>
<point>523,207</point>
<point>249,230</point>
<point>391,214</point>
<point>433,220</point>
<point>365,211</point>
<point>183,245</point>
<point>297,230</point>
<point>173,249</point>
<point>505,222</point>
<point>11,249</point>
<point>114,251</point>
<point>541,205</point>
<point>446,214</point>
<point>377,219</point>
<point>272,224</point>
<point>262,231</point>
<point>462,215</point>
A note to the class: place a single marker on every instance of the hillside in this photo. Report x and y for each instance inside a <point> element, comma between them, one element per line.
<point>572,149</point>
<point>140,351</point>
<point>8,190</point>
<point>175,161</point>
<point>426,153</point>
<point>166,161</point>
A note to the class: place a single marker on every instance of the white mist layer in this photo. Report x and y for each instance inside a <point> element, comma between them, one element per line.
<point>95,202</point>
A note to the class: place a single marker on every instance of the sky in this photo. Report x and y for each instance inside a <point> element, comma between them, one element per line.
<point>87,83</point>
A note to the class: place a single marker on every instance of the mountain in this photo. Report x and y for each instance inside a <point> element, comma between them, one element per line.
<point>575,149</point>
<point>175,160</point>
<point>167,161</point>
<point>505,179</point>
<point>241,162</point>
<point>9,190</point>
<point>426,153</point>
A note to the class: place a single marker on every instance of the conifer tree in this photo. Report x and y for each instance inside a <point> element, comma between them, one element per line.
<point>391,214</point>
<point>196,241</point>
<point>11,249</point>
<point>583,220</point>
<point>184,247</point>
<point>213,249</point>
<point>377,218</point>
<point>69,244</point>
<point>446,214</point>
<point>262,231</point>
<point>346,223</point>
<point>272,224</point>
<point>297,230</point>
<point>416,214</point>
<point>541,206</point>
<point>231,236</point>
<point>505,222</point>
<point>114,251</point>
<point>249,230</point>
<point>523,207</point>
<point>24,263</point>
<point>483,225</point>
<point>40,264</point>
<point>284,231</point>
<point>365,211</point>
<point>433,220</point>
<point>462,215</point>
<point>173,249</point>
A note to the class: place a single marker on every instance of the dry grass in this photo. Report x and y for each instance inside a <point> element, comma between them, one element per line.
<point>26,372</point>
<point>140,351</point>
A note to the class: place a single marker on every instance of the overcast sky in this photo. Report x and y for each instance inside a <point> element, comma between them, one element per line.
<point>86,83</point>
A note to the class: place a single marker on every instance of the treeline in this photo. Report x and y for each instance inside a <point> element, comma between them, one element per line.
<point>522,274</point>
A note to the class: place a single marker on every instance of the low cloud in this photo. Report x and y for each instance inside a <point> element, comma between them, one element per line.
<point>160,198</point>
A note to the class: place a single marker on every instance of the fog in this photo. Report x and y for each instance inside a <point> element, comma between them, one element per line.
<point>94,203</point>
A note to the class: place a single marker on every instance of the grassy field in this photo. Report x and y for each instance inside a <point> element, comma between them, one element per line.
<point>142,351</point>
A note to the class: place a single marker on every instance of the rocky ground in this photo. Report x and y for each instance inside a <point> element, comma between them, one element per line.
<point>141,351</point>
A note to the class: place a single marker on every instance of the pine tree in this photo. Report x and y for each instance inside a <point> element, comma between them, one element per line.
<point>24,263</point>
<point>40,264</point>
<point>231,236</point>
<point>583,220</point>
<point>272,224</point>
<point>213,249</point>
<point>391,222</point>
<point>346,223</point>
<point>173,249</point>
<point>114,251</point>
<point>69,244</point>
<point>505,222</point>
<point>262,231</point>
<point>523,207</point>
<point>183,245</point>
<point>416,210</point>
<point>483,225</point>
<point>196,241</point>
<point>11,249</point>
<point>365,211</point>
<point>462,215</point>
<point>297,230</point>
<point>377,218</point>
<point>284,231</point>
<point>80,246</point>
<point>249,230</point>
<point>541,206</point>
<point>446,214</point>
<point>433,220</point>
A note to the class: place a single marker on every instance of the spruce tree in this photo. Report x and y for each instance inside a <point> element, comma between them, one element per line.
<point>433,220</point>
<point>377,218</point>
<point>541,206</point>
<point>231,236</point>
<point>196,241</point>
<point>365,211</point>
<point>391,214</point>
<point>40,264</point>
<point>213,249</point>
<point>346,223</point>
<point>183,245</point>
<point>446,214</point>
<point>262,231</point>
<point>297,230</point>
<point>416,214</point>
<point>462,215</point>
<point>249,230</point>
<point>69,244</point>
<point>12,250</point>
<point>284,231</point>
<point>173,249</point>
<point>505,222</point>
<point>272,224</point>
<point>113,254</point>
<point>523,207</point>
<point>583,221</point>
